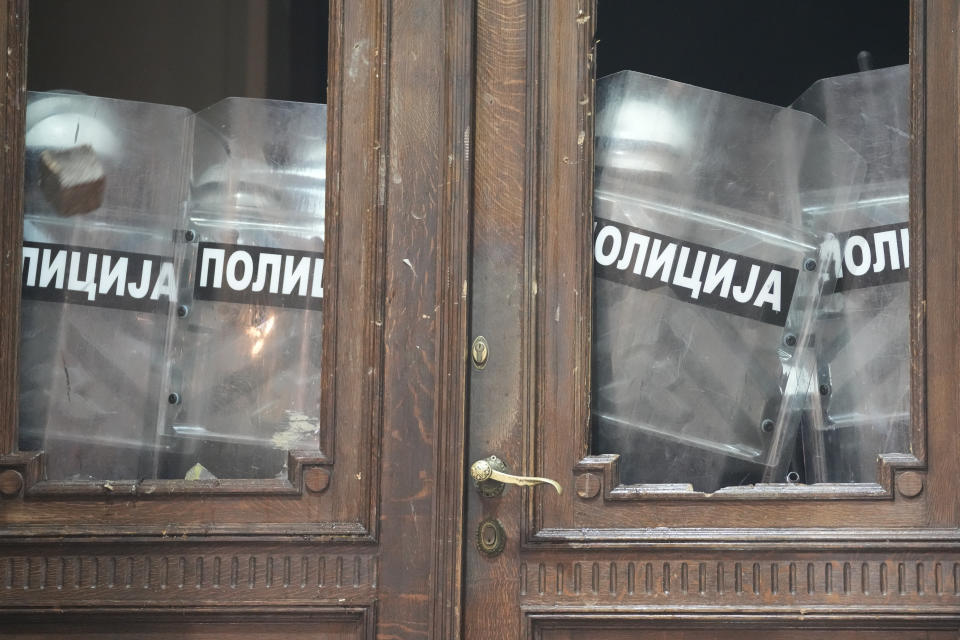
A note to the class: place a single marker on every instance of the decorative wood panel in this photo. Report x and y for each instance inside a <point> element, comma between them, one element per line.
<point>190,578</point>
<point>914,581</point>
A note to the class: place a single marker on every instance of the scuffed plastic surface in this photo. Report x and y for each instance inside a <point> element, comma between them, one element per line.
<point>860,407</point>
<point>246,363</point>
<point>91,360</point>
<point>706,389</point>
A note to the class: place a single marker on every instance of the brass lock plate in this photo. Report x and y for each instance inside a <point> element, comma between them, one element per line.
<point>491,537</point>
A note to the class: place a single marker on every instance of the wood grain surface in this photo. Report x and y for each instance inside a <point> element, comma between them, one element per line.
<point>459,204</point>
<point>635,551</point>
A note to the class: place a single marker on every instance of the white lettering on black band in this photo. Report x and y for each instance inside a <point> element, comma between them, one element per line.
<point>262,276</point>
<point>97,277</point>
<point>693,273</point>
<point>872,256</point>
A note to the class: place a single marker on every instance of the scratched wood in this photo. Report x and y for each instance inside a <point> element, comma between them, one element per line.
<point>13,14</point>
<point>459,193</point>
<point>353,383</point>
<point>606,564</point>
<point>377,552</point>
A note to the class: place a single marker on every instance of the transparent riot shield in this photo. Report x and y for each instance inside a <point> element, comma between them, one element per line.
<point>705,283</point>
<point>245,343</point>
<point>104,183</point>
<point>860,406</point>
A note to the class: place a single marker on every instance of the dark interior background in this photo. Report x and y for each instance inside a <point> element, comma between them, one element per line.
<point>195,52</point>
<point>769,50</point>
<point>189,53</point>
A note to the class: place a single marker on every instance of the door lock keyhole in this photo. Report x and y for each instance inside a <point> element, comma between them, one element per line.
<point>491,537</point>
<point>480,352</point>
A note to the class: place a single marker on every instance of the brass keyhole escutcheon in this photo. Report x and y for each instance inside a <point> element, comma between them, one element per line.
<point>491,537</point>
<point>480,352</point>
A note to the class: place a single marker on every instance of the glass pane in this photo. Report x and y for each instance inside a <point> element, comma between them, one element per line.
<point>738,337</point>
<point>173,255</point>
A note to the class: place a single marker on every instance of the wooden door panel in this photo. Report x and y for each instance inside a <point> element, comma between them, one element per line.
<point>330,492</point>
<point>201,575</point>
<point>194,631</point>
<point>363,541</point>
<point>538,273</point>
<point>321,625</point>
<point>605,549</point>
<point>746,633</point>
<point>557,436</point>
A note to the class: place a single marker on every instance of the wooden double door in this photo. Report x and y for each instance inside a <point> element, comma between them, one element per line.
<point>460,181</point>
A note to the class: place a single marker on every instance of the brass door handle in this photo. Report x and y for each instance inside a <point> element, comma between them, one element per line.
<point>490,474</point>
